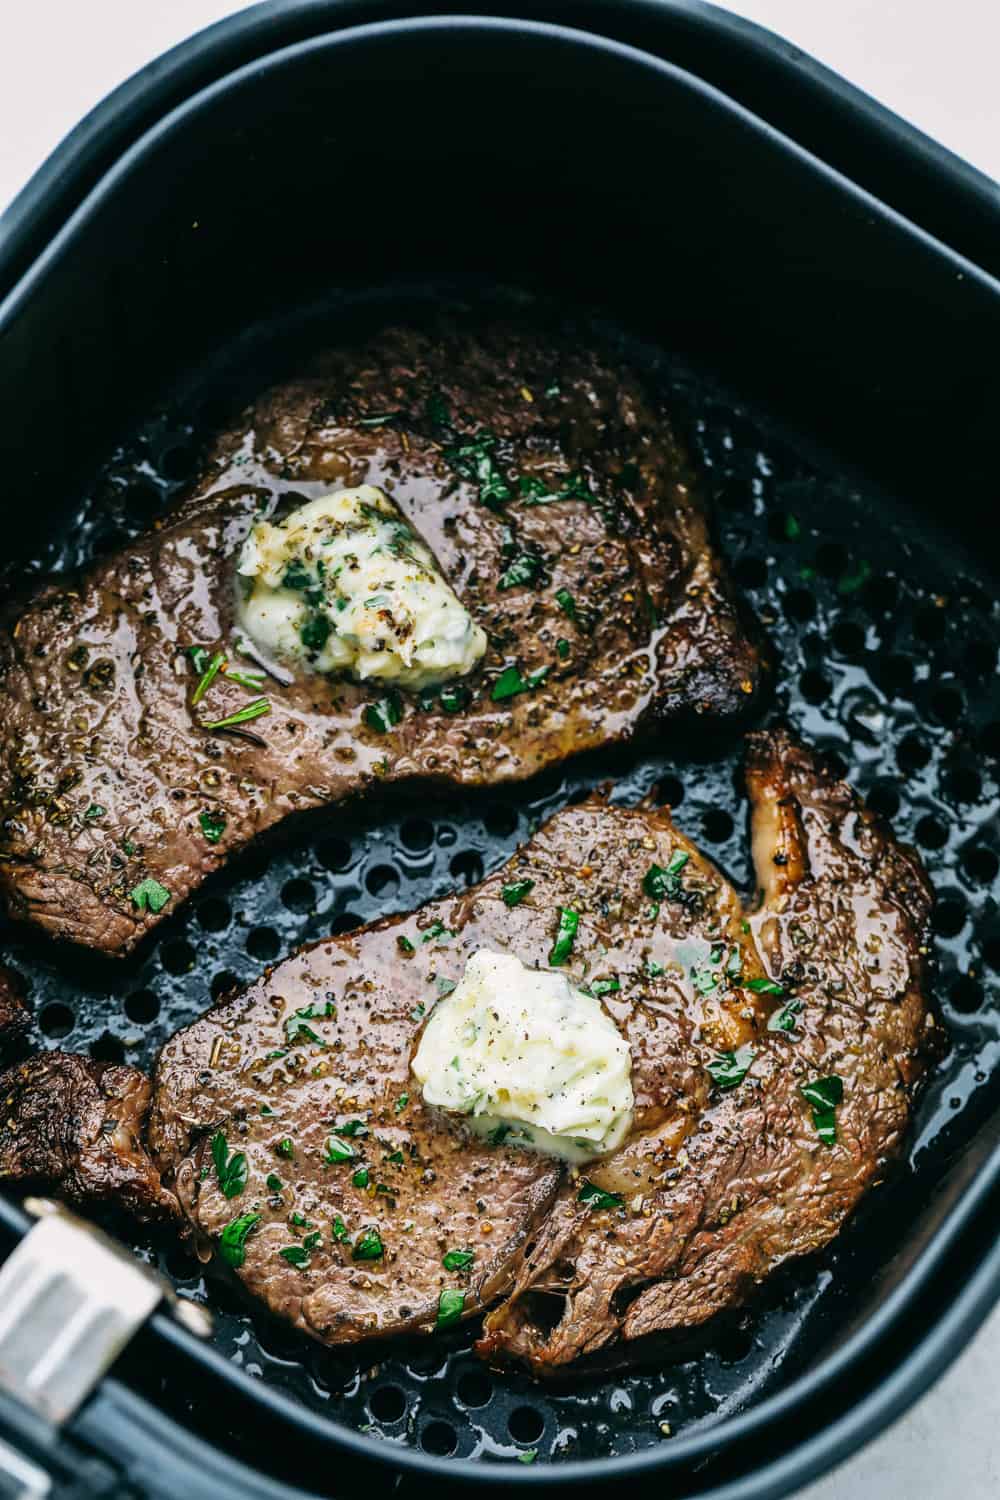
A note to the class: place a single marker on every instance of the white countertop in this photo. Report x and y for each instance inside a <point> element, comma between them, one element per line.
<point>935,64</point>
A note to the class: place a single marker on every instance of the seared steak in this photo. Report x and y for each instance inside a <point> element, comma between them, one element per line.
<point>15,1018</point>
<point>555,495</point>
<point>75,1126</point>
<point>727,1173</point>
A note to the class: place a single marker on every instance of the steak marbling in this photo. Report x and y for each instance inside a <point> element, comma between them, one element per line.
<point>104,766</point>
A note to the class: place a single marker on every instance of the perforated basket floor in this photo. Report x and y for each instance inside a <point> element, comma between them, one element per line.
<point>887,646</point>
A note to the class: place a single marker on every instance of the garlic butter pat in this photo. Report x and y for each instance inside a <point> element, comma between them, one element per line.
<point>343,584</point>
<point>529,1059</point>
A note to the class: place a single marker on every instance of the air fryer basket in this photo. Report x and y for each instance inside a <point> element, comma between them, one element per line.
<point>807,337</point>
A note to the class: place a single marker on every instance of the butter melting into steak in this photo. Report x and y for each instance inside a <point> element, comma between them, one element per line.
<point>774,1053</point>
<point>559,504</point>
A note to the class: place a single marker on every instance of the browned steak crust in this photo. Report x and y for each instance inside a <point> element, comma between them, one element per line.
<point>104,769</point>
<point>75,1127</point>
<point>717,1188</point>
<point>15,1018</point>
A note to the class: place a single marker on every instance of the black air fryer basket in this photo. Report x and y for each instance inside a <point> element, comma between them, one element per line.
<point>813,282</point>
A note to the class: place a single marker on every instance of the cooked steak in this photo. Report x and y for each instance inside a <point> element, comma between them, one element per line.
<point>15,1018</point>
<point>726,1173</point>
<point>558,502</point>
<point>75,1127</point>
<point>739,1178</point>
<point>317,1172</point>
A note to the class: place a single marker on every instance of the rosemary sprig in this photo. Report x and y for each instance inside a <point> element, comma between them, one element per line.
<point>252,710</point>
<point>208,677</point>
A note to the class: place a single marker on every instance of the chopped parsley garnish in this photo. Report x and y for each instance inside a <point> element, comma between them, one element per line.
<point>199,657</point>
<point>396,1157</point>
<point>311,1241</point>
<point>150,895</point>
<point>379,419</point>
<point>533,491</point>
<point>337,1151</point>
<point>566,603</point>
<point>252,680</point>
<point>230,1170</point>
<point>851,582</point>
<point>437,410</point>
<point>514,893</point>
<point>525,568</point>
<point>94,811</point>
<point>451,1305</point>
<point>351,1128</point>
<point>764,987</point>
<point>361,1177</point>
<point>253,710</point>
<point>338,1229</point>
<point>314,632</point>
<point>824,1094</point>
<point>404,945</point>
<point>606,986</point>
<point>562,648</point>
<point>510,682</point>
<point>298,1030</point>
<point>597,1198</point>
<point>569,921</point>
<point>665,883</point>
<point>455,697</point>
<point>383,715</point>
<point>792,528</point>
<point>368,1245</point>
<point>473,459</point>
<point>401,1103</point>
<point>207,677</point>
<point>783,1019</point>
<point>232,1242</point>
<point>266,1109</point>
<point>653,969</point>
<point>436,930</point>
<point>528,1456</point>
<point>704,980</point>
<point>213,825</point>
<point>274,1182</point>
<point>286,1147</point>
<point>297,575</point>
<point>730,1068</point>
<point>734,963</point>
<point>296,1255</point>
<point>499,1134</point>
<point>458,1260</point>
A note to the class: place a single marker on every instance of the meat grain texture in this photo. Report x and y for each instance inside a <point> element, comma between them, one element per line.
<point>105,766</point>
<point>716,1186</point>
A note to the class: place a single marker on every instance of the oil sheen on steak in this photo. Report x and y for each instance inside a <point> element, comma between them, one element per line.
<point>716,1187</point>
<point>75,1127</point>
<point>104,770</point>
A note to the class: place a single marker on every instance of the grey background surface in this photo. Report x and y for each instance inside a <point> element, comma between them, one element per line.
<point>934,63</point>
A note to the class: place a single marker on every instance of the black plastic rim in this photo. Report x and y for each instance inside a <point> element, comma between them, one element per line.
<point>976,1297</point>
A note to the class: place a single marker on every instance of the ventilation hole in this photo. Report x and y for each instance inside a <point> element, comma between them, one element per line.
<point>107,1049</point>
<point>263,944</point>
<point>912,754</point>
<point>894,675</point>
<point>417,835</point>
<point>214,914</point>
<point>500,820</point>
<point>446,836</point>
<point>949,916</point>
<point>929,624</point>
<point>946,705</point>
<point>223,983</point>
<point>813,686</point>
<point>439,1438</point>
<point>962,784</point>
<point>525,1424</point>
<point>177,956</point>
<point>966,995</point>
<point>142,1007</point>
<point>735,1346</point>
<point>381,880</point>
<point>751,572</point>
<point>298,895</point>
<point>832,559</point>
<point>979,658</point>
<point>387,1404</point>
<point>180,1266</point>
<point>57,1020</point>
<point>253,865</point>
<point>346,922</point>
<point>670,792</point>
<point>931,833</point>
<point>142,502</point>
<point>981,865</point>
<point>799,604</point>
<point>467,867</point>
<point>848,638</point>
<point>474,1388</point>
<point>883,799</point>
<point>991,952</point>
<point>717,825</point>
<point>178,461</point>
<point>334,854</point>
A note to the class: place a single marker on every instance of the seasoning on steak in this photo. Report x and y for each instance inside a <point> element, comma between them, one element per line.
<point>75,1127</point>
<point>725,1175</point>
<point>558,502</point>
<point>15,1018</point>
<point>738,1178</point>
<point>318,1174</point>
